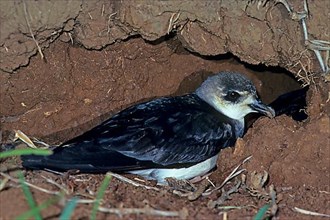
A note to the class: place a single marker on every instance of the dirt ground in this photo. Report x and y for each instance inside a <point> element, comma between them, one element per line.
<point>75,88</point>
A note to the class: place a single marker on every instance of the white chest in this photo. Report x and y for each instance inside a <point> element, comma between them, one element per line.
<point>179,173</point>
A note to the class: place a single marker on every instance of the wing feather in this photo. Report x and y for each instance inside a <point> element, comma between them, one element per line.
<point>161,133</point>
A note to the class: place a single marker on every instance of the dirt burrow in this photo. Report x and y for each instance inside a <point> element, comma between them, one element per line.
<point>73,89</point>
<point>76,89</point>
<point>255,31</point>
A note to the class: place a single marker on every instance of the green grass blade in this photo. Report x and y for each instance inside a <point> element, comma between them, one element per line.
<point>261,213</point>
<point>100,195</point>
<point>25,151</point>
<point>68,210</point>
<point>28,195</point>
<point>44,205</point>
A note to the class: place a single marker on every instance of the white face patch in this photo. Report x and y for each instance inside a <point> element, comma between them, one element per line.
<point>234,110</point>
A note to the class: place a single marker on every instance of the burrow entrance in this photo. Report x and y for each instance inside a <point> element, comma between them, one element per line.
<point>77,88</point>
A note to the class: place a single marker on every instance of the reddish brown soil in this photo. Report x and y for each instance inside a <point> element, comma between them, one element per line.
<point>76,88</point>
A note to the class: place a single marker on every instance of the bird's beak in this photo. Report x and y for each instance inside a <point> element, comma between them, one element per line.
<point>260,107</point>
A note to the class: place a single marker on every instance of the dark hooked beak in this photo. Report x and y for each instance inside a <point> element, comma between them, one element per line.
<point>261,108</point>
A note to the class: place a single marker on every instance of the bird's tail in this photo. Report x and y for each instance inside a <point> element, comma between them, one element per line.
<point>84,158</point>
<point>33,162</point>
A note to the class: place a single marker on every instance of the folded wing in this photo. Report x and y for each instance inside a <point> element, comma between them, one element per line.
<point>166,132</point>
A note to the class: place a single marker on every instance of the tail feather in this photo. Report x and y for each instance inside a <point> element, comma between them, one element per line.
<point>33,162</point>
<point>88,159</point>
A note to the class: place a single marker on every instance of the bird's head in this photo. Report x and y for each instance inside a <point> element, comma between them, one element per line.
<point>234,95</point>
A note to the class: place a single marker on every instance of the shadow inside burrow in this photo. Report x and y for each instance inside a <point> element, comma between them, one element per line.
<point>275,81</point>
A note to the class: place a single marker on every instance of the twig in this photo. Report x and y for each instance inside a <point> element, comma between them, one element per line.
<point>71,39</point>
<point>273,196</point>
<point>306,212</point>
<point>208,179</point>
<point>315,45</point>
<point>139,180</point>
<point>90,16</point>
<point>3,183</point>
<point>126,180</point>
<point>56,184</point>
<point>235,207</point>
<point>182,194</point>
<point>224,215</point>
<point>146,210</point>
<point>172,21</point>
<point>102,12</point>
<point>200,190</point>
<point>233,174</point>
<point>29,184</point>
<point>32,35</point>
<point>41,142</point>
<point>85,201</point>
<point>224,196</point>
<point>24,138</point>
<point>180,184</point>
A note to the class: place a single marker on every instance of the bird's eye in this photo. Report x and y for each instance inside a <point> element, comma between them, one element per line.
<point>232,96</point>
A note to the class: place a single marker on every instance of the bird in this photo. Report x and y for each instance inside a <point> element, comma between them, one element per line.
<point>178,137</point>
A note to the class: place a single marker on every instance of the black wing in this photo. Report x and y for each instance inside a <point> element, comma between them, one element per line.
<point>166,132</point>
